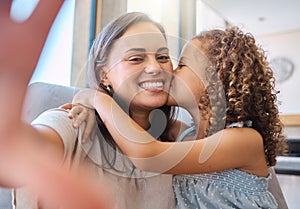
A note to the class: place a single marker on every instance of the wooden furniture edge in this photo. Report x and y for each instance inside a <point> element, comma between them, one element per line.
<point>290,119</point>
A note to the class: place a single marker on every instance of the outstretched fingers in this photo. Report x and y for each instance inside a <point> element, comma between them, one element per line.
<point>21,45</point>
<point>44,15</point>
<point>19,56</point>
<point>5,6</point>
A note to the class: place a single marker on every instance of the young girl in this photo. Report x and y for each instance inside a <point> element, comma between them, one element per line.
<point>234,107</point>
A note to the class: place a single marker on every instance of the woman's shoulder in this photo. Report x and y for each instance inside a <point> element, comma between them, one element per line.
<point>51,114</point>
<point>57,120</point>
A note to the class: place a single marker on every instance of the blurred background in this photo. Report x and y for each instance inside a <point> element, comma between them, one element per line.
<point>274,23</point>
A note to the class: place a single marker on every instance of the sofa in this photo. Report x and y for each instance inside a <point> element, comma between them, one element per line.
<point>43,96</point>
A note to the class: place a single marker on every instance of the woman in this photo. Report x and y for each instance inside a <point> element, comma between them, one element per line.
<point>233,92</point>
<point>120,58</point>
<point>20,155</point>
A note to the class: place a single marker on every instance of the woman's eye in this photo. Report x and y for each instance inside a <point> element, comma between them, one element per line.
<point>136,59</point>
<point>163,58</point>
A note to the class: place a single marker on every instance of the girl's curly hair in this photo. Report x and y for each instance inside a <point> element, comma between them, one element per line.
<point>241,87</point>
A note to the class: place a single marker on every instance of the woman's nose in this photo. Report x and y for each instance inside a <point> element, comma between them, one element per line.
<point>153,66</point>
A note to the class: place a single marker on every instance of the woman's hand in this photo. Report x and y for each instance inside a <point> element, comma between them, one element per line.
<point>21,45</point>
<point>22,162</point>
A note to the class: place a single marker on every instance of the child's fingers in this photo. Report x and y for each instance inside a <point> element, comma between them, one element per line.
<point>90,124</point>
<point>67,106</point>
<point>79,114</point>
<point>74,111</point>
<point>94,132</point>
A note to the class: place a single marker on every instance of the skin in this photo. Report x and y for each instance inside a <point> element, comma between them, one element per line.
<point>150,64</point>
<point>189,85</point>
<point>131,73</point>
<point>34,33</point>
<point>240,148</point>
<point>13,80</point>
<point>140,59</point>
<point>20,152</point>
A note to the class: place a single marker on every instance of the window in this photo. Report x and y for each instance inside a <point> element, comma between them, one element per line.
<point>54,65</point>
<point>161,12</point>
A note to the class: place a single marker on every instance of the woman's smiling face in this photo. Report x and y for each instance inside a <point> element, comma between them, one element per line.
<point>139,68</point>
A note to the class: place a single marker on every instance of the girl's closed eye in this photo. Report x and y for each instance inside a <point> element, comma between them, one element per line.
<point>163,58</point>
<point>180,66</point>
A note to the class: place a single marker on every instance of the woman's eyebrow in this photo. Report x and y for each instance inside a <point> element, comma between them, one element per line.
<point>163,49</point>
<point>136,50</point>
<point>144,50</point>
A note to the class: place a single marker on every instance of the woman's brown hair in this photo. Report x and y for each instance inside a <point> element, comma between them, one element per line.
<point>98,57</point>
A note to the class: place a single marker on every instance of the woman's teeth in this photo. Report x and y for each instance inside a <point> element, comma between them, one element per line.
<point>150,85</point>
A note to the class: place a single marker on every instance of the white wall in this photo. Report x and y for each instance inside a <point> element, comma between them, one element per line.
<point>277,45</point>
<point>207,18</point>
<point>167,15</point>
<point>286,45</point>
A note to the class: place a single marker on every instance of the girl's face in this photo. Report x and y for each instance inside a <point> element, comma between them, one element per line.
<point>139,68</point>
<point>189,82</point>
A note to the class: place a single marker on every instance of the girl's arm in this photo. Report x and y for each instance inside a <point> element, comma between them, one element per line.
<point>231,148</point>
<point>81,110</point>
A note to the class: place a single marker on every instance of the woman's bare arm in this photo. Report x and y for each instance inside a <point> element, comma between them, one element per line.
<point>22,157</point>
<point>21,44</point>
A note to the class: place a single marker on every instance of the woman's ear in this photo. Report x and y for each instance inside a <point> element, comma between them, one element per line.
<point>103,77</point>
<point>105,83</point>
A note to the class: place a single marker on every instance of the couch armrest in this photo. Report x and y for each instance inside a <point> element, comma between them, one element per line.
<point>275,189</point>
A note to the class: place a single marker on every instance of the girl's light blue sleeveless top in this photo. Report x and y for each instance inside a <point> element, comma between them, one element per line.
<point>227,189</point>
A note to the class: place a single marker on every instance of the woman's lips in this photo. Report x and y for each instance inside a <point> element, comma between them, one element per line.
<point>153,86</point>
